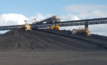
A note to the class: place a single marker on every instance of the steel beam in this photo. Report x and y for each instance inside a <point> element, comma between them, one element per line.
<point>62,24</point>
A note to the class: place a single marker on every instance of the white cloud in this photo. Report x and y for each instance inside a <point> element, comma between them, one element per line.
<point>84,11</point>
<point>12,19</point>
<point>98,28</point>
<point>69,15</point>
<point>82,8</point>
<point>40,16</point>
<point>75,18</point>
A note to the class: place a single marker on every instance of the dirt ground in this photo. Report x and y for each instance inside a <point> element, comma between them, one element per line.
<point>53,58</point>
<point>50,40</point>
<point>45,47</point>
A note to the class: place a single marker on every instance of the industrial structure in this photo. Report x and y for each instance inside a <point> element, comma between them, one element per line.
<point>26,26</point>
<point>50,20</point>
<point>84,31</point>
<point>54,23</point>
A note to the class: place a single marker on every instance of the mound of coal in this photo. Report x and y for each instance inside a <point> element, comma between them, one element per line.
<point>50,40</point>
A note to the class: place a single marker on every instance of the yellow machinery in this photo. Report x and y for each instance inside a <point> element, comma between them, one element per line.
<point>54,27</point>
<point>26,27</point>
<point>81,31</point>
<point>85,31</point>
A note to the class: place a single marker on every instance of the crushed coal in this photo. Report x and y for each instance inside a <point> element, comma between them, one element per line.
<point>48,40</point>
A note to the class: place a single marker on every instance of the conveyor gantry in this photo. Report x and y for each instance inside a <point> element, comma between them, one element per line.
<point>62,23</point>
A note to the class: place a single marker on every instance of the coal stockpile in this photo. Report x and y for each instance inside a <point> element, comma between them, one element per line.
<point>46,40</point>
<point>50,47</point>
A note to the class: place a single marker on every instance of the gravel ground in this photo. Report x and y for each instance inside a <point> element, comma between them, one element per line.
<point>44,40</point>
<point>45,47</point>
<point>53,58</point>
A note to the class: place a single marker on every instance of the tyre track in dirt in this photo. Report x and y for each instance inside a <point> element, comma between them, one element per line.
<point>6,39</point>
<point>16,39</point>
<point>44,43</point>
<point>50,40</point>
<point>13,41</point>
<point>81,45</point>
<point>93,36</point>
<point>97,42</point>
<point>34,42</point>
<point>99,37</point>
<point>58,40</point>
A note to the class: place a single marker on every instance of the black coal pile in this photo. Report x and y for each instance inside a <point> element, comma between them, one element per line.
<point>47,40</point>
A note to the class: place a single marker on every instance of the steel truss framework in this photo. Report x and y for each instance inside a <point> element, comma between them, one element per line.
<point>62,23</point>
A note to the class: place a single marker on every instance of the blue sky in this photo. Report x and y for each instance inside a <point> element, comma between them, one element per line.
<point>32,7</point>
<point>14,12</point>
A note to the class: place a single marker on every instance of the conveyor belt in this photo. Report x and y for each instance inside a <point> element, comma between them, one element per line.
<point>62,24</point>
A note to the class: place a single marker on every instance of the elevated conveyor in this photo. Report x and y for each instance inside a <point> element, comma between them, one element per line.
<point>61,24</point>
